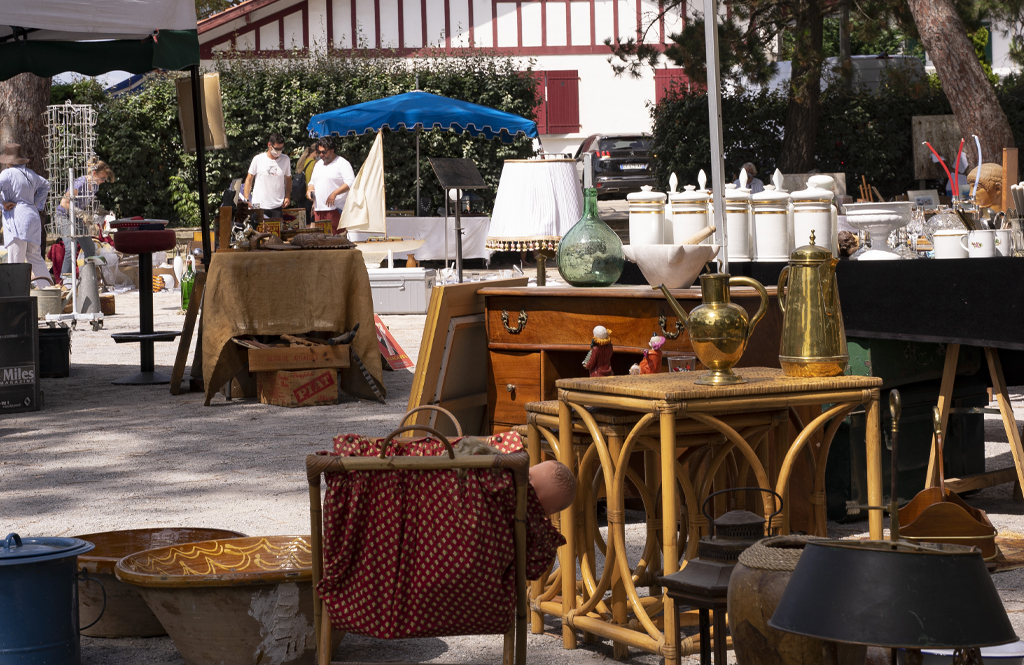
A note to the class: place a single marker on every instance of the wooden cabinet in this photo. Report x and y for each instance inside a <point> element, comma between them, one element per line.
<point>536,336</point>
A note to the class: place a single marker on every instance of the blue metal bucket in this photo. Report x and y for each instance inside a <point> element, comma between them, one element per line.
<point>39,600</point>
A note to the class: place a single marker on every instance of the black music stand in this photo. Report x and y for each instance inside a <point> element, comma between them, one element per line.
<point>458,174</point>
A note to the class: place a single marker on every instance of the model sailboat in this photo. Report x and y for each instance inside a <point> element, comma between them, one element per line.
<point>365,209</point>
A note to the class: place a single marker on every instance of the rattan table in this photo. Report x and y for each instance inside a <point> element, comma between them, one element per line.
<point>676,417</point>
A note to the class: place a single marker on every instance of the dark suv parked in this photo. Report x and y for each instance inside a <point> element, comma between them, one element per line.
<point>621,163</point>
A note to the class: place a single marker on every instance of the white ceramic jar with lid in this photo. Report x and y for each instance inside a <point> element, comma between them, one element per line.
<point>813,211</point>
<point>772,222</point>
<point>690,214</point>
<point>646,217</point>
<point>737,223</point>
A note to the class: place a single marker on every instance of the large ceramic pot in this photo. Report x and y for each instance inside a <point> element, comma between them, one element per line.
<point>755,589</point>
<point>126,613</point>
<point>246,601</point>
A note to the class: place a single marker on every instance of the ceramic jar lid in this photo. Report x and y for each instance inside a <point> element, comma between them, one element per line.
<point>646,196</point>
<point>770,195</point>
<point>812,194</point>
<point>734,193</point>
<point>691,195</point>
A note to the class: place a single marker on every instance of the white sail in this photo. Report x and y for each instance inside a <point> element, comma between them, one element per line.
<point>364,206</point>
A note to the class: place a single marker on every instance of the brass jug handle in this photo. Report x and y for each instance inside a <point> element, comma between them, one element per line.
<point>757,286</point>
<point>780,296</point>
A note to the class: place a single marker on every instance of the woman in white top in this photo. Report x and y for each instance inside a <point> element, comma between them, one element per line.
<point>23,195</point>
<point>328,186</point>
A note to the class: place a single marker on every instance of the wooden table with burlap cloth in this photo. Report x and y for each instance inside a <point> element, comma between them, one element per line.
<point>287,292</point>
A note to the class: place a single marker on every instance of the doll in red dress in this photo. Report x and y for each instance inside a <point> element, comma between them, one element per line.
<point>599,358</point>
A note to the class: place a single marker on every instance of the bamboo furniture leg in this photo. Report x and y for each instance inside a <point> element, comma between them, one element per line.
<point>567,553</point>
<point>873,450</point>
<point>620,651</point>
<point>995,368</point>
<point>536,586</point>
<point>670,554</point>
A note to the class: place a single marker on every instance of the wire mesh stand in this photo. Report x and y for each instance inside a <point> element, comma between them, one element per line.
<point>70,144</point>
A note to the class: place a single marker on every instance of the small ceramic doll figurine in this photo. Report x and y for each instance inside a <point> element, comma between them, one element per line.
<point>651,364</point>
<point>634,370</point>
<point>599,358</point>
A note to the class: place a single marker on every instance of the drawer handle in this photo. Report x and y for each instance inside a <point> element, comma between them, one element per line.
<point>511,387</point>
<point>520,324</point>
<point>662,320</point>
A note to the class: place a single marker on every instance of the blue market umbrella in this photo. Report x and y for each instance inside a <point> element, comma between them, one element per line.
<point>421,110</point>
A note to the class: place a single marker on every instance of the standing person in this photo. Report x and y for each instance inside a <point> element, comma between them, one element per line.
<point>754,184</point>
<point>23,195</point>
<point>269,179</point>
<point>332,178</point>
<point>301,179</point>
<point>83,190</point>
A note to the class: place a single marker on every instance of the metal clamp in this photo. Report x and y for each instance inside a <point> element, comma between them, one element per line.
<point>520,324</point>
<point>83,575</point>
<point>663,321</point>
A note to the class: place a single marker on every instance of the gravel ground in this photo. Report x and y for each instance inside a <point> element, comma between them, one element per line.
<point>101,457</point>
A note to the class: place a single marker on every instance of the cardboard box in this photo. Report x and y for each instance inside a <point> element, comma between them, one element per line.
<point>310,387</point>
<point>298,357</point>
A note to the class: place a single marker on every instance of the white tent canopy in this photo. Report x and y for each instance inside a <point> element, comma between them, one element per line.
<point>70,20</point>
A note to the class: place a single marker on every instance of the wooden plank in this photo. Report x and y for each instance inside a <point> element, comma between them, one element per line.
<point>446,302</point>
<point>185,342</point>
<point>977,481</point>
<point>995,368</point>
<point>945,397</point>
<point>1009,176</point>
<point>224,227</point>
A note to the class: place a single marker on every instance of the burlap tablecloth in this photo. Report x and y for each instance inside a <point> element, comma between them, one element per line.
<point>287,292</point>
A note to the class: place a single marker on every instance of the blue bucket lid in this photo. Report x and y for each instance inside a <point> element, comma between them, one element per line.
<point>16,549</point>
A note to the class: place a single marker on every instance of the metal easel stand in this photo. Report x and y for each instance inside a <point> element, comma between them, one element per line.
<point>95,318</point>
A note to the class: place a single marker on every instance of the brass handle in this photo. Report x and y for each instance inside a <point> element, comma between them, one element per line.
<point>780,296</point>
<point>510,387</point>
<point>757,286</point>
<point>663,320</point>
<point>520,323</point>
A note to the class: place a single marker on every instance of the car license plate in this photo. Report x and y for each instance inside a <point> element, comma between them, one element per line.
<point>632,167</point>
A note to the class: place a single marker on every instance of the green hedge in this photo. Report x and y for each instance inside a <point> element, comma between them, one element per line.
<point>859,133</point>
<point>138,135</point>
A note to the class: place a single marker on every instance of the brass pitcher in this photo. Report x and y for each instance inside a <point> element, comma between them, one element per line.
<point>813,339</point>
<point>718,328</point>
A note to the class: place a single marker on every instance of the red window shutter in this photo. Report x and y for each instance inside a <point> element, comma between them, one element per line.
<point>666,79</point>
<point>563,102</point>
<point>541,110</point>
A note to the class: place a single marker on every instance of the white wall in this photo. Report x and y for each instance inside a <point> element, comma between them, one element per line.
<point>608,104</point>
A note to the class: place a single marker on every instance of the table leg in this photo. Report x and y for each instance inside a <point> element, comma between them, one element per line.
<point>652,477</point>
<point>567,553</point>
<point>536,586</point>
<point>705,636</point>
<point>931,479</point>
<point>720,639</point>
<point>670,552</point>
<point>995,368</point>
<point>148,363</point>
<point>873,450</point>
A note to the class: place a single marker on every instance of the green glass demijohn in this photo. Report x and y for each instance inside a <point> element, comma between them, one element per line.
<point>590,254</point>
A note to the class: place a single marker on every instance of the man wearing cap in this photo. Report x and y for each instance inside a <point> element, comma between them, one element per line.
<point>23,195</point>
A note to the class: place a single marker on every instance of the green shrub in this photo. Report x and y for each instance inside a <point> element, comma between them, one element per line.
<point>139,136</point>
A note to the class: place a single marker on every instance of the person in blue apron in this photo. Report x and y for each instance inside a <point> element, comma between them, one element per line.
<point>83,190</point>
<point>23,196</point>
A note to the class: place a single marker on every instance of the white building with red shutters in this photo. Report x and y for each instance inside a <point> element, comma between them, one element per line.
<point>564,38</point>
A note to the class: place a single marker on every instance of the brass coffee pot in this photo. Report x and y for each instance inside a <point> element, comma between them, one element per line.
<point>719,329</point>
<point>813,338</point>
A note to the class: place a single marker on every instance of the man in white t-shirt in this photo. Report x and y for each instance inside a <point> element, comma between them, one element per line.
<point>270,179</point>
<point>328,186</point>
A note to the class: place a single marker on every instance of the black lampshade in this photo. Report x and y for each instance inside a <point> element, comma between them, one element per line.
<point>893,595</point>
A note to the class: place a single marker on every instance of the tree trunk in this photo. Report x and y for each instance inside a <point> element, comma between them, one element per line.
<point>23,102</point>
<point>970,93</point>
<point>804,91</point>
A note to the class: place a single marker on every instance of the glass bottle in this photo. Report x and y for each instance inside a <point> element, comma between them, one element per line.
<point>590,254</point>
<point>188,281</point>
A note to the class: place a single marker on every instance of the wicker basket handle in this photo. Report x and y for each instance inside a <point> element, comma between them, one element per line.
<point>411,428</point>
<point>431,407</point>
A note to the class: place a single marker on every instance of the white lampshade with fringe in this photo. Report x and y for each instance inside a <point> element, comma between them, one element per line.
<point>538,201</point>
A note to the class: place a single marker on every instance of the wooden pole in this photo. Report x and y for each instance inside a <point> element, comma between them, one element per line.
<point>200,127</point>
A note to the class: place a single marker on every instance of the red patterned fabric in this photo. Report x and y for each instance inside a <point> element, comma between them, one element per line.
<point>425,553</point>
